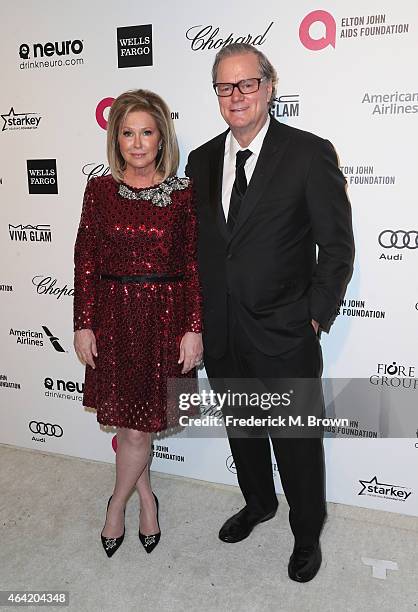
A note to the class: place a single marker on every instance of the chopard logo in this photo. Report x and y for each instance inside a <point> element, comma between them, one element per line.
<point>46,285</point>
<point>92,169</point>
<point>206,37</point>
<point>399,239</point>
<point>46,429</point>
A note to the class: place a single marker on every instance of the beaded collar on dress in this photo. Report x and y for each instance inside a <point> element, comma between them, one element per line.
<point>160,195</point>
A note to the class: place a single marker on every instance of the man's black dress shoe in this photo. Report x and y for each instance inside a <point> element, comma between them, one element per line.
<point>304,563</point>
<point>239,526</point>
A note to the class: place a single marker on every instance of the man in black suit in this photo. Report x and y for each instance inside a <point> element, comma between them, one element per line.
<point>268,197</point>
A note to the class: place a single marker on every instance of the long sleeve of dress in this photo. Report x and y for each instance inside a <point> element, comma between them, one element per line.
<point>85,261</point>
<point>193,293</point>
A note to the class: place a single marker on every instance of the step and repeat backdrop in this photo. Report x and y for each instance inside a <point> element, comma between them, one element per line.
<point>347,71</point>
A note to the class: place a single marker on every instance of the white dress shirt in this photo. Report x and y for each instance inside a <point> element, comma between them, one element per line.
<point>232,146</point>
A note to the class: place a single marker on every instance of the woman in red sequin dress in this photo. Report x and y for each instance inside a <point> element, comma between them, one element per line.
<point>137,303</point>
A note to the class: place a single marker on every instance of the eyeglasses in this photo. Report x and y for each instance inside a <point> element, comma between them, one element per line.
<point>246,86</point>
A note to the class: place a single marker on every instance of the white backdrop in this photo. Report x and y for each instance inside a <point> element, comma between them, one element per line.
<point>346,73</point>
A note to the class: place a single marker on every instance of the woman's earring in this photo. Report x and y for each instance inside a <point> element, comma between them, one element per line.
<point>160,146</point>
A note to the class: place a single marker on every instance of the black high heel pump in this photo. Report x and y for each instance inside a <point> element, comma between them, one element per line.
<point>149,542</point>
<point>111,545</point>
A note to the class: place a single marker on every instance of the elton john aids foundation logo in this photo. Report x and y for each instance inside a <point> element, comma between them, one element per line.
<point>102,113</point>
<point>318,29</point>
<point>322,34</point>
<point>102,108</point>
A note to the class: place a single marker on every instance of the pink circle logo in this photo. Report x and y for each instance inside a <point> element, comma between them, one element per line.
<point>317,44</point>
<point>100,109</point>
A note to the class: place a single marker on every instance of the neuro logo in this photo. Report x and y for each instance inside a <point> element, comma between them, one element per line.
<point>54,340</point>
<point>51,54</point>
<point>24,51</point>
<point>317,44</point>
<point>48,49</point>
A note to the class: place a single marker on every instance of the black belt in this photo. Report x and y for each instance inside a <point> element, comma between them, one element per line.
<point>144,278</point>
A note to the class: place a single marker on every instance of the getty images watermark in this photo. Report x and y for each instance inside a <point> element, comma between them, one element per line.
<point>234,401</point>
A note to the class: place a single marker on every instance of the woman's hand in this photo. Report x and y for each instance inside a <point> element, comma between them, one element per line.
<point>191,351</point>
<point>85,346</point>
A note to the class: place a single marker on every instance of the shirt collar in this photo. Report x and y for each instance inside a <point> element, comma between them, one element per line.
<point>254,146</point>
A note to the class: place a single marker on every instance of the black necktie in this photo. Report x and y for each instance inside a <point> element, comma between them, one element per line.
<point>239,187</point>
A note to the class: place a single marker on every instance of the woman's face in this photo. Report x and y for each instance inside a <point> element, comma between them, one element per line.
<point>138,139</point>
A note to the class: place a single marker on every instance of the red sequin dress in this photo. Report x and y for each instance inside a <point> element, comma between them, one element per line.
<point>138,326</point>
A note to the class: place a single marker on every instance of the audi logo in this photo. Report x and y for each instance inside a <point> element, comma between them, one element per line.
<point>398,239</point>
<point>46,429</point>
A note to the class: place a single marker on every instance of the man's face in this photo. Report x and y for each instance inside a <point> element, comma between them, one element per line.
<point>243,112</point>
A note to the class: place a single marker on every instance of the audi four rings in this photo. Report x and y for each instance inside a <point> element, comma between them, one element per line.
<point>399,239</point>
<point>46,429</point>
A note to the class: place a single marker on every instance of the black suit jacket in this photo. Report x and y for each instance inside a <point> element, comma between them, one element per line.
<point>295,203</point>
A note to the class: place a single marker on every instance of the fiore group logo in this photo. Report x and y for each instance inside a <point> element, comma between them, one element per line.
<point>42,55</point>
<point>394,375</point>
<point>20,121</point>
<point>134,46</point>
<point>42,176</point>
<point>374,488</point>
<point>30,233</point>
<point>47,285</point>
<point>203,37</point>
<point>285,106</point>
<point>31,337</point>
<point>318,29</point>
<point>400,241</point>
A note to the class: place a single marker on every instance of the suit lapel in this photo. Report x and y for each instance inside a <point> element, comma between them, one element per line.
<point>216,164</point>
<point>272,151</point>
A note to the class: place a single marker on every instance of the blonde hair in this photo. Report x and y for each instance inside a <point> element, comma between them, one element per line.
<point>167,160</point>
